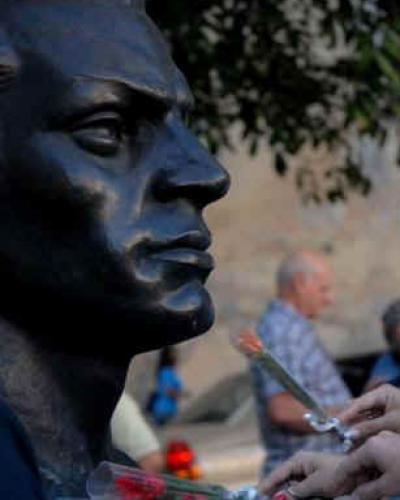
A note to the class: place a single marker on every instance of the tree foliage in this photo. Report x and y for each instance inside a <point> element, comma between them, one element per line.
<point>292,72</point>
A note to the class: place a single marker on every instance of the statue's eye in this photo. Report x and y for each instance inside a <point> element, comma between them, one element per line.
<point>101,134</point>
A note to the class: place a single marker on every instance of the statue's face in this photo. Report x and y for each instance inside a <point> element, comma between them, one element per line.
<point>102,240</point>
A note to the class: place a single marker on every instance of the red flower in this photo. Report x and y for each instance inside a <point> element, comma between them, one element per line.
<point>148,489</point>
<point>194,496</point>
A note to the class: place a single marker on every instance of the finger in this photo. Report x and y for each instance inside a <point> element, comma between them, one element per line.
<point>272,482</point>
<point>280,475</point>
<point>372,413</point>
<point>390,422</point>
<point>371,490</point>
<point>370,401</point>
<point>369,428</point>
<point>355,463</point>
<point>283,495</point>
<point>319,483</point>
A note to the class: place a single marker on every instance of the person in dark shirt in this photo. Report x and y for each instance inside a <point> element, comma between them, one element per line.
<point>387,367</point>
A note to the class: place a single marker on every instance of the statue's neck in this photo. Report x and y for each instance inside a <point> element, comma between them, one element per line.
<point>64,402</point>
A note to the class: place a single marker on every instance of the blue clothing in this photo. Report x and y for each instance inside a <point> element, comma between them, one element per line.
<point>292,339</point>
<point>386,368</point>
<point>164,405</point>
<point>19,476</point>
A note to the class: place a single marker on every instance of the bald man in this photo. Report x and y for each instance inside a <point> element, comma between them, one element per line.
<point>303,283</point>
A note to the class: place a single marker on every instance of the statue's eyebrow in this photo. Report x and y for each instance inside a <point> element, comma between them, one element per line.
<point>89,94</point>
<point>163,93</point>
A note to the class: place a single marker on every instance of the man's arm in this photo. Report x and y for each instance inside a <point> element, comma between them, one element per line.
<point>284,410</point>
<point>132,435</point>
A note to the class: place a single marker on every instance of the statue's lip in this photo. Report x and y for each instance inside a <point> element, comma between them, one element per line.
<point>186,256</point>
<point>193,240</point>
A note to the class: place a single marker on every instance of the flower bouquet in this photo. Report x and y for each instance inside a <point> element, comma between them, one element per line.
<point>118,482</point>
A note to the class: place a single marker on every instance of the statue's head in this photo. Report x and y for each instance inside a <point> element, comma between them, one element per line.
<point>102,186</point>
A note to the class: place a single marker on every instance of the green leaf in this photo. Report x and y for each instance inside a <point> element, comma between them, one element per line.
<point>388,70</point>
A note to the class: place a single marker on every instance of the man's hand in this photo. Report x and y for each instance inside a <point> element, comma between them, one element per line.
<point>152,462</point>
<point>313,474</point>
<point>285,411</point>
<point>375,465</point>
<point>374,412</point>
<point>368,473</point>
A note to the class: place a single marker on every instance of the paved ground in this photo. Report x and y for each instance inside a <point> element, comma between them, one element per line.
<point>228,455</point>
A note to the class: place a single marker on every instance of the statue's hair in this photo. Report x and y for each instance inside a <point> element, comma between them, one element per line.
<point>9,59</point>
<point>138,4</point>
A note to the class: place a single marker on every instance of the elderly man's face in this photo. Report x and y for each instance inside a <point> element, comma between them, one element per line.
<point>314,291</point>
<point>102,186</point>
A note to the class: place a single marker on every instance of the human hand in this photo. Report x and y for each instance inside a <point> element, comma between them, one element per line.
<point>152,462</point>
<point>374,467</point>
<point>368,473</point>
<point>308,474</point>
<point>373,412</point>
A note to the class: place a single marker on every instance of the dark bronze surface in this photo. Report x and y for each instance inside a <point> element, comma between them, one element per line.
<point>103,246</point>
<point>102,186</point>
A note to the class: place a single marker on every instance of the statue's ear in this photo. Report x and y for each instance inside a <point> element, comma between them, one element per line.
<point>9,61</point>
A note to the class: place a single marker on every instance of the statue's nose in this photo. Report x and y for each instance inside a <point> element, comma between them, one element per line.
<point>191,172</point>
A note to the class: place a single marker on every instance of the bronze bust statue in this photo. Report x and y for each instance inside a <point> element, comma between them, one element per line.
<point>102,240</point>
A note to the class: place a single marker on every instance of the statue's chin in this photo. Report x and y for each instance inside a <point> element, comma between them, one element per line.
<point>185,313</point>
<point>115,327</point>
<point>181,315</point>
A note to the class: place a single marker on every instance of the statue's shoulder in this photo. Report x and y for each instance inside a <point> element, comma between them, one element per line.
<point>19,475</point>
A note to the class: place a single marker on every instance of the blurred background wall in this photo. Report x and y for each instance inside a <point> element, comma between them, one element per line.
<point>261,220</point>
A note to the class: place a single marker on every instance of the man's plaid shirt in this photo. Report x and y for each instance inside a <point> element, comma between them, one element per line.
<point>292,339</point>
